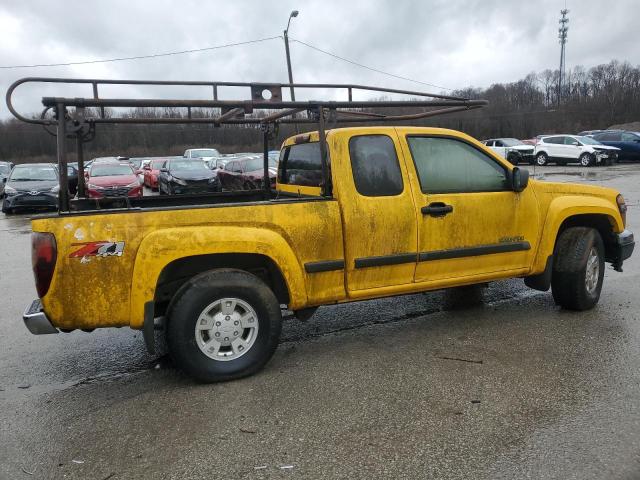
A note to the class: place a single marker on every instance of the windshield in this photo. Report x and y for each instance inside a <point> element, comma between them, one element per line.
<point>588,141</point>
<point>188,166</point>
<point>33,172</point>
<point>136,162</point>
<point>110,170</point>
<point>258,164</point>
<point>4,169</point>
<point>157,164</point>
<point>511,142</point>
<point>211,152</point>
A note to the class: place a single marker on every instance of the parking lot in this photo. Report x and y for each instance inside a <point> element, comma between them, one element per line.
<point>473,383</point>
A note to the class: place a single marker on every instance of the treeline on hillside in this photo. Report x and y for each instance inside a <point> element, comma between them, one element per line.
<point>595,98</point>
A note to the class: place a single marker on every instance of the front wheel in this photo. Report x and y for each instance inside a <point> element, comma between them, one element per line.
<point>542,159</point>
<point>223,324</point>
<point>578,269</point>
<point>586,160</point>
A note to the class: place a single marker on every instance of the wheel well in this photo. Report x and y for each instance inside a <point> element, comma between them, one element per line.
<point>601,223</point>
<point>176,273</point>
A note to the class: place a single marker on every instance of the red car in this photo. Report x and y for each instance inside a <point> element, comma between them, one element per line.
<point>151,172</point>
<point>112,179</point>
<point>246,173</point>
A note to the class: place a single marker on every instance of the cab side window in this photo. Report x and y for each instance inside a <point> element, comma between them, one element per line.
<point>375,166</point>
<point>301,165</point>
<point>447,165</point>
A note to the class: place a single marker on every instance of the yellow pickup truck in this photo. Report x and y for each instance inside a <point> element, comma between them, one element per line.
<point>369,212</point>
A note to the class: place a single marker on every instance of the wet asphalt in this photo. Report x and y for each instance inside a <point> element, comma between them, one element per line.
<point>479,383</point>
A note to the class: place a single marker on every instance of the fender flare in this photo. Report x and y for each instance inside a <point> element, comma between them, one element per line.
<point>162,247</point>
<point>564,207</point>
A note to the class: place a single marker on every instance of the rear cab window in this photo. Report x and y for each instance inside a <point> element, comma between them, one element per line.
<point>300,165</point>
<point>375,166</point>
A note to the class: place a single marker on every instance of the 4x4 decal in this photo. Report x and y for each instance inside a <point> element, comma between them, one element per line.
<point>98,249</point>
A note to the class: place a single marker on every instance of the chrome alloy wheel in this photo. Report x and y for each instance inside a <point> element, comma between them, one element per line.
<point>226,329</point>
<point>592,272</point>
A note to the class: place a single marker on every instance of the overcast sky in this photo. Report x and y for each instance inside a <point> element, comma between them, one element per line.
<point>450,43</point>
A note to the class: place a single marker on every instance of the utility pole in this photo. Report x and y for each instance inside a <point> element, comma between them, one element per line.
<point>286,49</point>
<point>562,35</point>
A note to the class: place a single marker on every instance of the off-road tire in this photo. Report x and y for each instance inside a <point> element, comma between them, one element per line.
<point>193,298</point>
<point>542,159</point>
<point>586,160</point>
<point>568,279</point>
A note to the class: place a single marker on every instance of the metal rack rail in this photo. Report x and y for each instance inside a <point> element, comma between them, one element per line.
<point>68,117</point>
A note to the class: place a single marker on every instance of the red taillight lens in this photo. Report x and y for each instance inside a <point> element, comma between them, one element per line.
<point>43,258</point>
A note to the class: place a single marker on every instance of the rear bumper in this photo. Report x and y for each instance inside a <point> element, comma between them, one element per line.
<point>36,320</point>
<point>623,248</point>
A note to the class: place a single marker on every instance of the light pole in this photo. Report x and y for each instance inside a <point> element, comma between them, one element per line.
<point>286,49</point>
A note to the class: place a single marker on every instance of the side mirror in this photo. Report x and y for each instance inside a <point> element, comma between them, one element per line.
<point>519,179</point>
<point>164,170</point>
<point>4,179</point>
<point>575,144</point>
<point>185,156</point>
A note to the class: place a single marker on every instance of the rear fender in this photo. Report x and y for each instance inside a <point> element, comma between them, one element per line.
<point>162,247</point>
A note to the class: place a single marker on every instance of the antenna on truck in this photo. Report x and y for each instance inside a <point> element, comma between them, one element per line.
<point>78,117</point>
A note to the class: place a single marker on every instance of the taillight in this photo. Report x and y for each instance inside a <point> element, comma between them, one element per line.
<point>43,259</point>
<point>622,207</point>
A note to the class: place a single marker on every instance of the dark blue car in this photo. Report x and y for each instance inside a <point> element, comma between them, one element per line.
<point>627,142</point>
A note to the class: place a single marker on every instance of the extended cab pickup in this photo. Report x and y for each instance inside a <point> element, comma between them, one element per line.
<point>411,209</point>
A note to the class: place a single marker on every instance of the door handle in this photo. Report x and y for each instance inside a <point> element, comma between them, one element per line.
<point>437,209</point>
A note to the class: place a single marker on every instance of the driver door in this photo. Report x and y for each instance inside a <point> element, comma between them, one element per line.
<point>470,221</point>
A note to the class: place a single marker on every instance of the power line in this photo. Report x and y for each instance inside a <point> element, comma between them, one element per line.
<point>367,67</point>
<point>140,57</point>
<point>217,47</point>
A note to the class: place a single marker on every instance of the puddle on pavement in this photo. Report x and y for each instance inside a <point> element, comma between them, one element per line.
<point>588,176</point>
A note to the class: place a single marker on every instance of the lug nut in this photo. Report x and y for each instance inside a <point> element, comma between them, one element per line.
<point>226,339</point>
<point>217,334</point>
<point>236,322</point>
<point>227,318</point>
<point>235,333</point>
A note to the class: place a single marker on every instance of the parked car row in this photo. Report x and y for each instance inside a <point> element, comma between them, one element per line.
<point>559,149</point>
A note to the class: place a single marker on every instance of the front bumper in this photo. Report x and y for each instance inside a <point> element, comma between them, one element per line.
<point>36,320</point>
<point>623,248</point>
<point>26,200</point>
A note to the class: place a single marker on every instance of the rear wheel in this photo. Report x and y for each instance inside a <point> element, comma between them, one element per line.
<point>578,269</point>
<point>6,210</point>
<point>542,159</point>
<point>223,324</point>
<point>586,159</point>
